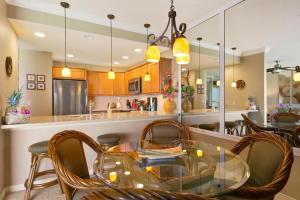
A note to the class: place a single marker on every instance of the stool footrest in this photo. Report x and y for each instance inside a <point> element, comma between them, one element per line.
<point>42,185</point>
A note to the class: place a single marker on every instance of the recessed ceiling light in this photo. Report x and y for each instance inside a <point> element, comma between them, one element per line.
<point>125,57</point>
<point>39,34</point>
<point>116,63</point>
<point>70,55</point>
<point>138,50</point>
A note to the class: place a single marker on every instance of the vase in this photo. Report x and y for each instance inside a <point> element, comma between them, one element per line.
<point>16,115</point>
<point>186,105</point>
<point>169,105</point>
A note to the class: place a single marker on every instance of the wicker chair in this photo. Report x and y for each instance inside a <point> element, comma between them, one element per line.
<point>270,159</point>
<point>294,138</point>
<point>67,154</point>
<point>287,117</point>
<point>137,194</point>
<point>252,127</point>
<point>164,132</point>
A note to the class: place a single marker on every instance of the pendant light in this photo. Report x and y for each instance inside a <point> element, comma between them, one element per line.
<point>66,72</point>
<point>111,74</point>
<point>147,76</point>
<point>233,83</point>
<point>199,80</point>
<point>296,76</point>
<point>177,40</point>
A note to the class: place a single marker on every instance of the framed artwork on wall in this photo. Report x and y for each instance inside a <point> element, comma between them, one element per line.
<point>41,86</point>
<point>40,78</point>
<point>30,86</point>
<point>30,77</point>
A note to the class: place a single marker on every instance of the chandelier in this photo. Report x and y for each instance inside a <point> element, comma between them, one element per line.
<point>178,42</point>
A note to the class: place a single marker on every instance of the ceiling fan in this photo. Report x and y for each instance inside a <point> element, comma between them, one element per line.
<point>278,68</point>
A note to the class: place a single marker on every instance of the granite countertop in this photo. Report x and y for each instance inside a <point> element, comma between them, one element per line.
<point>94,118</point>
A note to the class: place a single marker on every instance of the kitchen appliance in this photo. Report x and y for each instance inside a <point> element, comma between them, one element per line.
<point>69,97</point>
<point>135,86</point>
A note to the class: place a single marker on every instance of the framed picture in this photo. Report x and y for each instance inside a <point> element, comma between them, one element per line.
<point>30,77</point>
<point>40,78</point>
<point>41,86</point>
<point>30,86</point>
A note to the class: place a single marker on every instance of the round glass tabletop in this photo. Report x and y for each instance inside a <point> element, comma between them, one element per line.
<point>185,166</point>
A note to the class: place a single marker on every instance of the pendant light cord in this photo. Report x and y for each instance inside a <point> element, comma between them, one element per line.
<point>111,45</point>
<point>233,65</point>
<point>65,37</point>
<point>147,48</point>
<point>199,56</point>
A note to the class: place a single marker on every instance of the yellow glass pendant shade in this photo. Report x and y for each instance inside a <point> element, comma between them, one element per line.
<point>233,84</point>
<point>111,75</point>
<point>183,60</point>
<point>66,72</point>
<point>147,77</point>
<point>153,53</point>
<point>199,81</point>
<point>181,47</point>
<point>296,76</point>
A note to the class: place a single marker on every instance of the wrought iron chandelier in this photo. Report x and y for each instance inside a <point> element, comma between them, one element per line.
<point>178,42</point>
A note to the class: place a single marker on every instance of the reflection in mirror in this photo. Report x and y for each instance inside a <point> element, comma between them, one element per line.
<point>268,51</point>
<point>200,78</point>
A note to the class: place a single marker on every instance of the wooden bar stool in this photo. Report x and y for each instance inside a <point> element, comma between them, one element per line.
<point>108,140</point>
<point>38,152</point>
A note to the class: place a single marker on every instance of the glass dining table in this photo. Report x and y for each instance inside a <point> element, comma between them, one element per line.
<point>190,167</point>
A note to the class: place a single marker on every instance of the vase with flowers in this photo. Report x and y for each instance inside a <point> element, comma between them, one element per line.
<point>187,93</point>
<point>169,92</point>
<point>15,114</point>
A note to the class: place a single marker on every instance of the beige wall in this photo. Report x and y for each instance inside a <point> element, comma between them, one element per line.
<point>8,47</point>
<point>273,92</point>
<point>251,70</point>
<point>36,62</point>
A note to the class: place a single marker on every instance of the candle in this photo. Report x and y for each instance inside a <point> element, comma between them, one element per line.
<point>127,173</point>
<point>199,153</point>
<point>113,176</point>
<point>140,185</point>
<point>148,169</point>
<point>118,163</point>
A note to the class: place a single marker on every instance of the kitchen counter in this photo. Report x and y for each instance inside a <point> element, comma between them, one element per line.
<point>215,111</point>
<point>42,121</point>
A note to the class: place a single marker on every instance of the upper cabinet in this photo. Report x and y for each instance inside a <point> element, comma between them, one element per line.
<point>99,84</point>
<point>119,84</point>
<point>76,74</point>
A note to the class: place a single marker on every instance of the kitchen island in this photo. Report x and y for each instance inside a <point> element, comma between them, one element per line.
<point>15,139</point>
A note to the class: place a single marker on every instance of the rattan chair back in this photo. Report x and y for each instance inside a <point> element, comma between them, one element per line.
<point>283,168</point>
<point>252,127</point>
<point>67,154</point>
<point>164,131</point>
<point>287,117</point>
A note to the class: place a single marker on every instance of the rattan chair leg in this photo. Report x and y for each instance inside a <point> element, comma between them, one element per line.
<point>29,182</point>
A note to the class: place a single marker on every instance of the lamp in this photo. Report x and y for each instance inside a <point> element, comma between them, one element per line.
<point>65,72</point>
<point>296,76</point>
<point>183,60</point>
<point>233,83</point>
<point>147,76</point>
<point>111,74</point>
<point>177,42</point>
<point>218,82</point>
<point>199,80</point>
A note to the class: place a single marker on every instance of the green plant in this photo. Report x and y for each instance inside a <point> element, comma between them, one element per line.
<point>14,98</point>
<point>188,90</point>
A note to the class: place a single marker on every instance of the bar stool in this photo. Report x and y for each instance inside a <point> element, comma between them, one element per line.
<point>231,128</point>
<point>109,140</point>
<point>241,124</point>
<point>38,152</point>
<point>210,127</point>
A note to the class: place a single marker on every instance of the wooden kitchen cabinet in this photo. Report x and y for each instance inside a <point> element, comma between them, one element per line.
<point>155,80</point>
<point>126,80</point>
<point>119,84</point>
<point>99,84</point>
<point>146,85</point>
<point>76,74</point>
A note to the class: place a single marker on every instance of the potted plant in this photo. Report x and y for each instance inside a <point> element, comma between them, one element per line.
<point>187,93</point>
<point>15,114</point>
<point>169,93</point>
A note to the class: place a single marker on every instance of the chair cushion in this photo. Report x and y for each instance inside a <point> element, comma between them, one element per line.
<point>287,119</point>
<point>164,134</point>
<point>40,147</point>
<point>264,160</point>
<point>111,139</point>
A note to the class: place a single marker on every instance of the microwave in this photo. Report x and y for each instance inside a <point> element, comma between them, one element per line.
<point>135,86</point>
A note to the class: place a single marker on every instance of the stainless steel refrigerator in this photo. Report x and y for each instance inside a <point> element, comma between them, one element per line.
<point>69,97</point>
